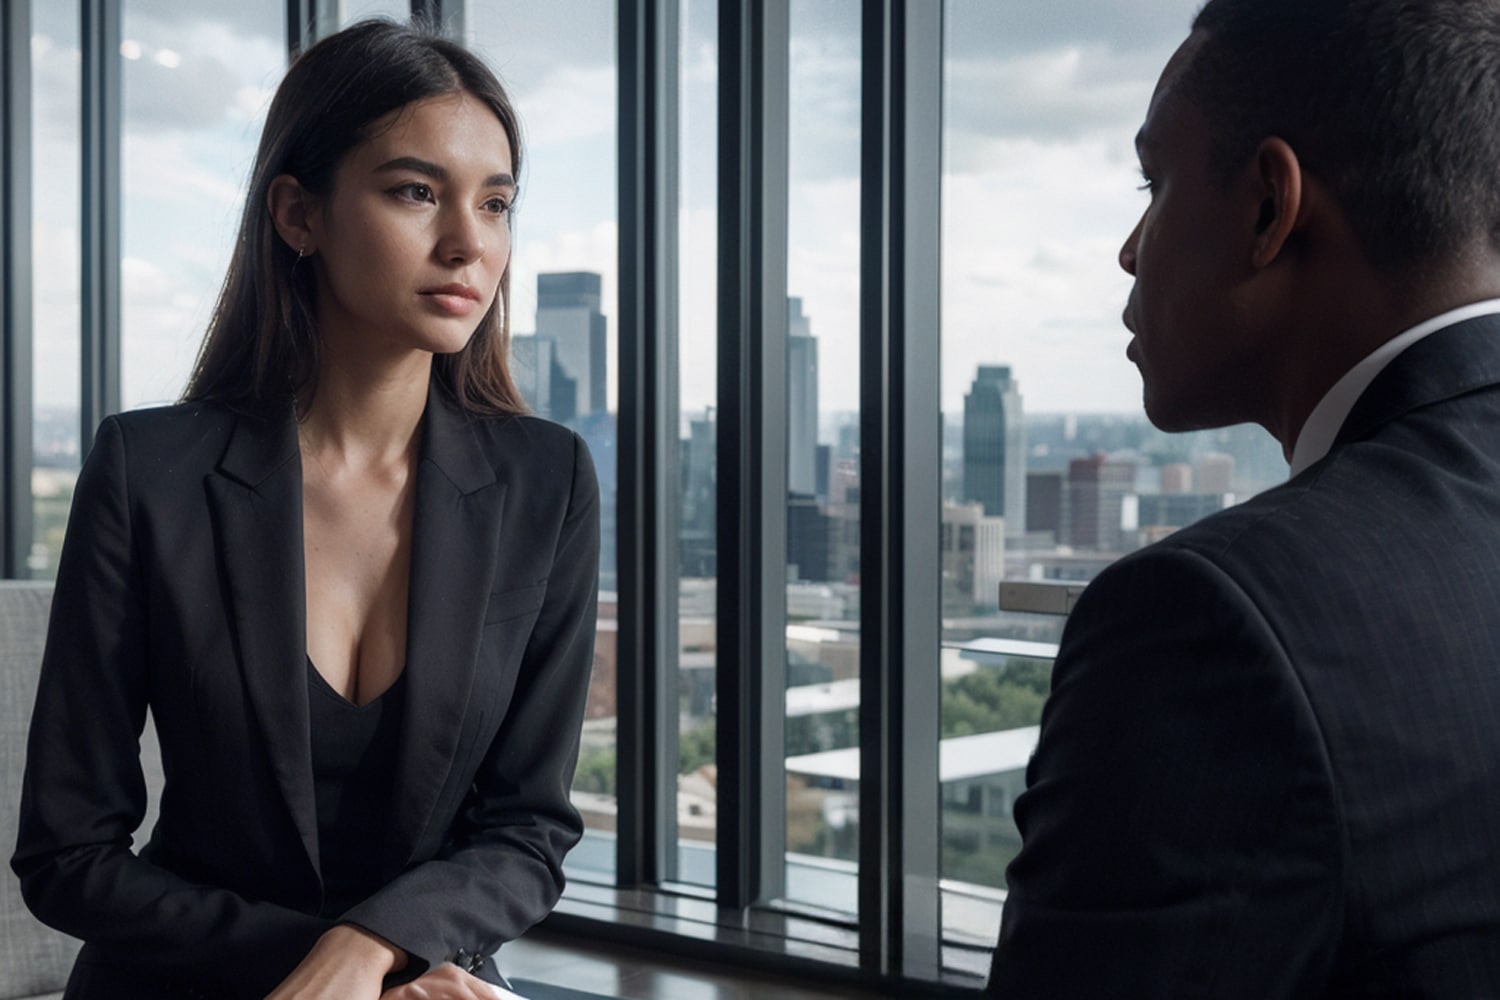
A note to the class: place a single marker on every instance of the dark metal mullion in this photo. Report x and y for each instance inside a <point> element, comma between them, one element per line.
<point>16,415</point>
<point>448,15</point>
<point>307,21</point>
<point>646,682</point>
<point>752,428</point>
<point>99,273</point>
<point>900,629</point>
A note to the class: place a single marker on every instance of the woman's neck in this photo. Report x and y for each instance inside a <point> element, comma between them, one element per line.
<point>361,416</point>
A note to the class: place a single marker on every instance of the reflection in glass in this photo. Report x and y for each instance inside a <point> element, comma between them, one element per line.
<point>55,108</point>
<point>822,671</point>
<point>197,82</point>
<point>558,61</point>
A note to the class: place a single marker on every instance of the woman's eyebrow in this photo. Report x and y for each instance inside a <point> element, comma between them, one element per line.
<point>438,172</point>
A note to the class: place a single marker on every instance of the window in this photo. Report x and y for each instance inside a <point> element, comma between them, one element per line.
<point>55,234</point>
<point>1050,470</point>
<point>829,288</point>
<point>691,855</point>
<point>822,455</point>
<point>197,84</point>
<point>563,280</point>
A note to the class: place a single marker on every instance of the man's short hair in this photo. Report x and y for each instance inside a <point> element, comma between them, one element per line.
<point>1394,104</point>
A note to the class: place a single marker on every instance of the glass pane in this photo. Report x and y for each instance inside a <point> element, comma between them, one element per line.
<point>1050,469</point>
<point>822,698</point>
<point>197,82</point>
<point>558,60</point>
<point>55,107</point>
<point>697,352</point>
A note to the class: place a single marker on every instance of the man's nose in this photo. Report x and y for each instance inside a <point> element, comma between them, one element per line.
<point>1128,249</point>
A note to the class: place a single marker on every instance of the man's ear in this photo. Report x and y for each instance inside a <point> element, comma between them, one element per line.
<point>292,210</point>
<point>1279,178</point>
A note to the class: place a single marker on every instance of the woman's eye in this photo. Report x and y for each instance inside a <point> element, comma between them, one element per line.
<point>415,191</point>
<point>497,206</point>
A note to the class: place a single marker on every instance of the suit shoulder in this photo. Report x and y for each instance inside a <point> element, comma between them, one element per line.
<point>168,430</point>
<point>535,450</point>
<point>1293,511</point>
<point>531,435</point>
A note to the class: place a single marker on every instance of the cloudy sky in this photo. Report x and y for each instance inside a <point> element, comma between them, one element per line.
<point>1042,99</point>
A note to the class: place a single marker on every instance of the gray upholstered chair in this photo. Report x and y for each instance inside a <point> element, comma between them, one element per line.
<point>34,960</point>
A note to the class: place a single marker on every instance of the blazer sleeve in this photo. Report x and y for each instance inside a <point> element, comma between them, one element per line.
<point>83,793</point>
<point>501,871</point>
<point>1181,836</point>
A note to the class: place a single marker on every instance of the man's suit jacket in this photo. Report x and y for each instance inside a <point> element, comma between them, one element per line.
<point>181,587</point>
<point>1270,763</point>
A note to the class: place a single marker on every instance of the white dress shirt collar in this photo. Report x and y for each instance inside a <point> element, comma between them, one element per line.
<point>1323,423</point>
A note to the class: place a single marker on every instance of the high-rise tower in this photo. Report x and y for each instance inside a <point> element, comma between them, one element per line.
<point>567,312</point>
<point>995,447</point>
<point>802,402</point>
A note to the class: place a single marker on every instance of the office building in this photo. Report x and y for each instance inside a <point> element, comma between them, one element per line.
<point>802,402</point>
<point>541,380</point>
<point>1213,472</point>
<point>568,313</point>
<point>995,447</point>
<point>1097,488</point>
<point>973,551</point>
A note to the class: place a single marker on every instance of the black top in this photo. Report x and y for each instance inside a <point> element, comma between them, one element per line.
<point>353,763</point>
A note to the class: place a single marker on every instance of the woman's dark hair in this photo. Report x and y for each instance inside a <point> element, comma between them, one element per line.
<point>1394,104</point>
<point>262,348</point>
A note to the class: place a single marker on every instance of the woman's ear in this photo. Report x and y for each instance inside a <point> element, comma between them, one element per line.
<point>1281,207</point>
<point>292,210</point>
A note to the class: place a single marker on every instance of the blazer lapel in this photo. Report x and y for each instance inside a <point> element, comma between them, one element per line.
<point>1449,363</point>
<point>257,502</point>
<point>456,526</point>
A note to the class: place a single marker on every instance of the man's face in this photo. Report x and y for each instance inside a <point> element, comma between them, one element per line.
<point>1201,359</point>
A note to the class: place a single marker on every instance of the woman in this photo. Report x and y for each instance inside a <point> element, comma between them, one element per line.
<point>352,581</point>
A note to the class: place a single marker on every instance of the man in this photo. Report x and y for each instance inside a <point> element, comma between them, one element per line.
<point>1270,763</point>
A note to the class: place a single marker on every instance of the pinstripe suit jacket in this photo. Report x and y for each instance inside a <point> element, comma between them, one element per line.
<point>181,587</point>
<point>1270,763</point>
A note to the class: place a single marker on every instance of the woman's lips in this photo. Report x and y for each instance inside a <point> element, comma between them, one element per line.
<point>453,299</point>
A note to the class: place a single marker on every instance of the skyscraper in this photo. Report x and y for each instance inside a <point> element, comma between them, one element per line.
<point>995,447</point>
<point>541,380</point>
<point>1097,487</point>
<point>699,519</point>
<point>802,402</point>
<point>567,312</point>
<point>973,549</point>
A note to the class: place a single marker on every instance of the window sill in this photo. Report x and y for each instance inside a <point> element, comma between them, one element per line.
<point>762,940</point>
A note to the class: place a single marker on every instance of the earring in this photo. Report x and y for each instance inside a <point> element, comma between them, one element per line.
<point>302,251</point>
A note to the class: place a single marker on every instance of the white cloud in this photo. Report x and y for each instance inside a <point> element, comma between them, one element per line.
<point>1031,279</point>
<point>572,102</point>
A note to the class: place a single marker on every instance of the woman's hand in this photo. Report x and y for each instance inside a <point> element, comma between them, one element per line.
<point>446,982</point>
<point>347,963</point>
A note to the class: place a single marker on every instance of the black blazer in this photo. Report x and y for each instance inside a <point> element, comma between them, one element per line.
<point>180,587</point>
<point>1270,763</point>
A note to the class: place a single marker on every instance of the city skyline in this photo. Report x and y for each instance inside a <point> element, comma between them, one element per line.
<point>1039,171</point>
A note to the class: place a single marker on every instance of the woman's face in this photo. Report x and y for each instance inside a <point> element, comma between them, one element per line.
<point>410,244</point>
